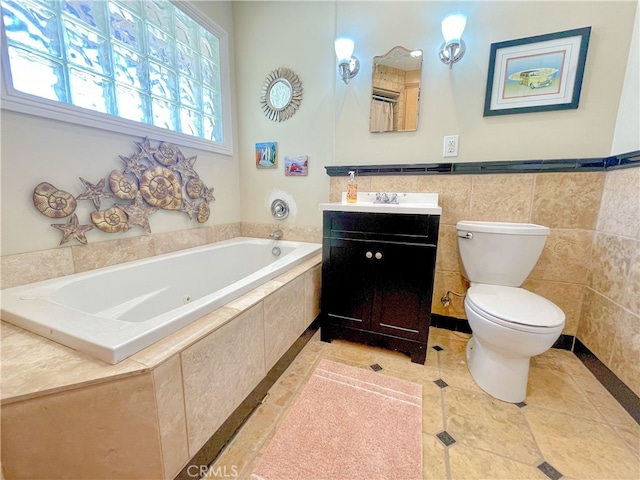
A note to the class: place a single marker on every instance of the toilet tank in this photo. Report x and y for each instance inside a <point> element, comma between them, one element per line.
<point>499,253</point>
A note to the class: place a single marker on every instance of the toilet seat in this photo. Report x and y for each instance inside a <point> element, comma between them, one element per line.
<point>514,307</point>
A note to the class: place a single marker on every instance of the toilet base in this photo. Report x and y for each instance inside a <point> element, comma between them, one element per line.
<point>502,377</point>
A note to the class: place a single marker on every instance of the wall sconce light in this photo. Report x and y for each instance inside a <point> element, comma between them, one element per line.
<point>453,47</point>
<point>348,65</point>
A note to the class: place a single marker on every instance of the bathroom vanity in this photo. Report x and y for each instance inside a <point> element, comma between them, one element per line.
<point>378,266</point>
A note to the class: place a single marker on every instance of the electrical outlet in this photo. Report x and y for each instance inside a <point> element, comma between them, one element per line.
<point>450,148</point>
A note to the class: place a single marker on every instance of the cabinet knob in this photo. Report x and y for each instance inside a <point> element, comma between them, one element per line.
<point>378,255</point>
<point>368,255</point>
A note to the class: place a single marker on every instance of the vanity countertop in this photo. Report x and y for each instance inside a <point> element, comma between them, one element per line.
<point>412,203</point>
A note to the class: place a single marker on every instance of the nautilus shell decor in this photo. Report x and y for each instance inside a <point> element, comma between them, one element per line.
<point>150,179</point>
<point>52,202</point>
<point>203,212</point>
<point>161,188</point>
<point>123,187</point>
<point>166,154</point>
<point>195,187</point>
<point>112,220</point>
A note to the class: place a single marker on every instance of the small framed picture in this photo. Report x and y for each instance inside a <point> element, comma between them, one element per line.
<point>536,74</point>
<point>267,155</point>
<point>296,165</point>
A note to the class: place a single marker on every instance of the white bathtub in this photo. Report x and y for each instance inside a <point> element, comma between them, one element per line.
<point>114,312</point>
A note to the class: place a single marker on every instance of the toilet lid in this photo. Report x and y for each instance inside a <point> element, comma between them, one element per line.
<point>515,305</point>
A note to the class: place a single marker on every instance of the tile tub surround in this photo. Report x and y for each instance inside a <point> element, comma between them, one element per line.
<point>568,424</point>
<point>23,268</point>
<point>152,411</point>
<point>591,257</point>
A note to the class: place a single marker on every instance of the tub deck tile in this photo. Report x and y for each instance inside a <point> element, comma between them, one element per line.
<point>33,366</point>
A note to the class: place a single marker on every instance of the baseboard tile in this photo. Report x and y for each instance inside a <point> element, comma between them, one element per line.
<point>623,394</point>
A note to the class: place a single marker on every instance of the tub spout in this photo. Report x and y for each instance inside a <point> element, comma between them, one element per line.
<point>276,234</point>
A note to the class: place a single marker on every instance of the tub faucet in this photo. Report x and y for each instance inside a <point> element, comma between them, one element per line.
<point>276,234</point>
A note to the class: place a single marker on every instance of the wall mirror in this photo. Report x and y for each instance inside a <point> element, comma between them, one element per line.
<point>281,94</point>
<point>395,91</point>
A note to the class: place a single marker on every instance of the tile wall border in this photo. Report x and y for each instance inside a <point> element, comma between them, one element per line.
<point>597,164</point>
<point>623,394</point>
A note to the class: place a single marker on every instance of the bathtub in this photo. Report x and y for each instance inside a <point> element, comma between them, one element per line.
<point>113,312</point>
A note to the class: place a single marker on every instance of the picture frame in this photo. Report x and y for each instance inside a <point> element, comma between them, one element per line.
<point>536,74</point>
<point>267,155</point>
<point>296,165</point>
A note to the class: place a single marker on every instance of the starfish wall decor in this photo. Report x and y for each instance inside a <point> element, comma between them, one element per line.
<point>151,179</point>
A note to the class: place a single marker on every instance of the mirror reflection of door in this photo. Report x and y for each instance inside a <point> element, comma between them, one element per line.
<point>395,95</point>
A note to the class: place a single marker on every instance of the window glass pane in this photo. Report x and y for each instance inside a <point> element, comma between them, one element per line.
<point>162,81</point>
<point>191,122</point>
<point>159,46</point>
<point>164,113</point>
<point>90,91</point>
<point>131,104</point>
<point>187,61</point>
<point>88,11</point>
<point>211,131</point>
<point>87,49</point>
<point>129,67</point>
<point>189,94</point>
<point>31,26</point>
<point>126,27</point>
<point>156,13</point>
<point>186,30</point>
<point>210,75</point>
<point>208,99</point>
<point>143,60</point>
<point>37,76</point>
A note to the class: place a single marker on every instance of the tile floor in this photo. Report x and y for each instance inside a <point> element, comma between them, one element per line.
<point>568,427</point>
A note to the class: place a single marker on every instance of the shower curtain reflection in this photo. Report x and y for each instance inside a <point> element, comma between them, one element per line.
<point>381,119</point>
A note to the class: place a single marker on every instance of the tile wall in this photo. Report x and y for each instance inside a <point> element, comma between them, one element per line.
<point>24,268</point>
<point>610,321</point>
<point>589,267</point>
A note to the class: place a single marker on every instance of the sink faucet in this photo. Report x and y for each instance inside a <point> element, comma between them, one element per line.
<point>386,198</point>
<point>276,234</point>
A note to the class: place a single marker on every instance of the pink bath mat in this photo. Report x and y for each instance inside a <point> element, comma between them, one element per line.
<point>348,423</point>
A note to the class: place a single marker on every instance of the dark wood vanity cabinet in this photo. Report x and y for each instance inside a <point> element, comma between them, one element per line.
<point>377,279</point>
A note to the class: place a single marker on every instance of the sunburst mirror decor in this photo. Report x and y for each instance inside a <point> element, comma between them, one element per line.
<point>281,94</point>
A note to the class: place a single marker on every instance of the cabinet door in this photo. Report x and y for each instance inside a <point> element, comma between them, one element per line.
<point>346,282</point>
<point>402,300</point>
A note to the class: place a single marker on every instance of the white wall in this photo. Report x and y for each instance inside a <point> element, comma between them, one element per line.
<point>331,126</point>
<point>452,100</point>
<point>626,137</point>
<point>36,150</point>
<point>300,37</point>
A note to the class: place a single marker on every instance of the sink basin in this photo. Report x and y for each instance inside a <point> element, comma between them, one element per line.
<point>415,203</point>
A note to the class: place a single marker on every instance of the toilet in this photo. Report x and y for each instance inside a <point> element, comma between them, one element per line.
<point>509,324</point>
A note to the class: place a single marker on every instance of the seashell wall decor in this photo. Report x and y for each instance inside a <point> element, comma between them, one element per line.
<point>151,179</point>
<point>52,202</point>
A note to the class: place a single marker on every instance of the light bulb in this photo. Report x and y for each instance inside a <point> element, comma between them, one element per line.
<point>344,49</point>
<point>453,26</point>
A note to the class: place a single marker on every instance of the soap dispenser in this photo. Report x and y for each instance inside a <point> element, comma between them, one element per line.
<point>352,188</point>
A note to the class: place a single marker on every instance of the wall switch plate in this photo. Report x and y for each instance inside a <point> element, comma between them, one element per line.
<point>450,148</point>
